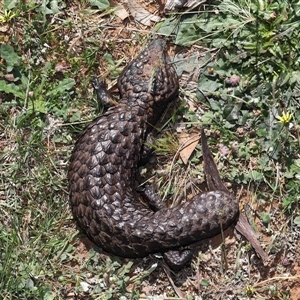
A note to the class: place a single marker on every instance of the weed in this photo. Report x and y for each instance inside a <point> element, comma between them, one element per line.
<point>6,16</point>
<point>248,92</point>
<point>37,91</point>
<point>250,81</point>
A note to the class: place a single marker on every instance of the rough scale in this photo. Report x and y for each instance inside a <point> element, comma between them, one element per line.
<point>104,163</point>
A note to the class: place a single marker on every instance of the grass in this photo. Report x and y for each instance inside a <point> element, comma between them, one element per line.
<point>247,97</point>
<point>251,79</point>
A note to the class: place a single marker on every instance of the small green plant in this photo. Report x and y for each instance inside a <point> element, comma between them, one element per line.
<point>6,16</point>
<point>249,83</point>
<point>39,100</point>
<point>250,291</point>
<point>166,145</point>
<point>265,218</point>
<point>108,278</point>
<point>247,98</point>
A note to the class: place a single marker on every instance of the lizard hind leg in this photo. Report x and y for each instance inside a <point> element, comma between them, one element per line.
<point>175,259</point>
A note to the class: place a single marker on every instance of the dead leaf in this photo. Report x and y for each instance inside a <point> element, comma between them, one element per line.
<point>9,77</point>
<point>140,14</point>
<point>244,228</point>
<point>61,67</point>
<point>189,144</point>
<point>120,10</point>
<point>4,28</point>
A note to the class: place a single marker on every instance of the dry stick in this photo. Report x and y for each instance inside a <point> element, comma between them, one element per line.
<point>176,289</point>
<point>277,278</point>
<point>214,182</point>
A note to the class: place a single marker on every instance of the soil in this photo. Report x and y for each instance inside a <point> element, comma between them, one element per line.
<point>224,267</point>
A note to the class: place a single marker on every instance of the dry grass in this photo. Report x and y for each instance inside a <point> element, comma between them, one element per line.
<point>43,256</point>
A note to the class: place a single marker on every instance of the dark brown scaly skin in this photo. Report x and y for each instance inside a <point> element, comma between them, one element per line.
<point>104,163</point>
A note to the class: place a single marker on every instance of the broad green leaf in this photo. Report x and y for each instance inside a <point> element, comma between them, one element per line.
<point>49,296</point>
<point>188,64</point>
<point>294,169</point>
<point>40,105</point>
<point>231,112</point>
<point>207,85</point>
<point>44,9</point>
<point>265,217</point>
<point>10,88</point>
<point>189,31</point>
<point>62,86</point>
<point>108,57</point>
<point>215,104</point>
<point>54,7</point>
<point>295,78</point>
<point>75,117</point>
<point>255,175</point>
<point>249,45</point>
<point>9,4</point>
<point>208,117</point>
<point>8,53</point>
<point>168,27</point>
<point>101,4</point>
